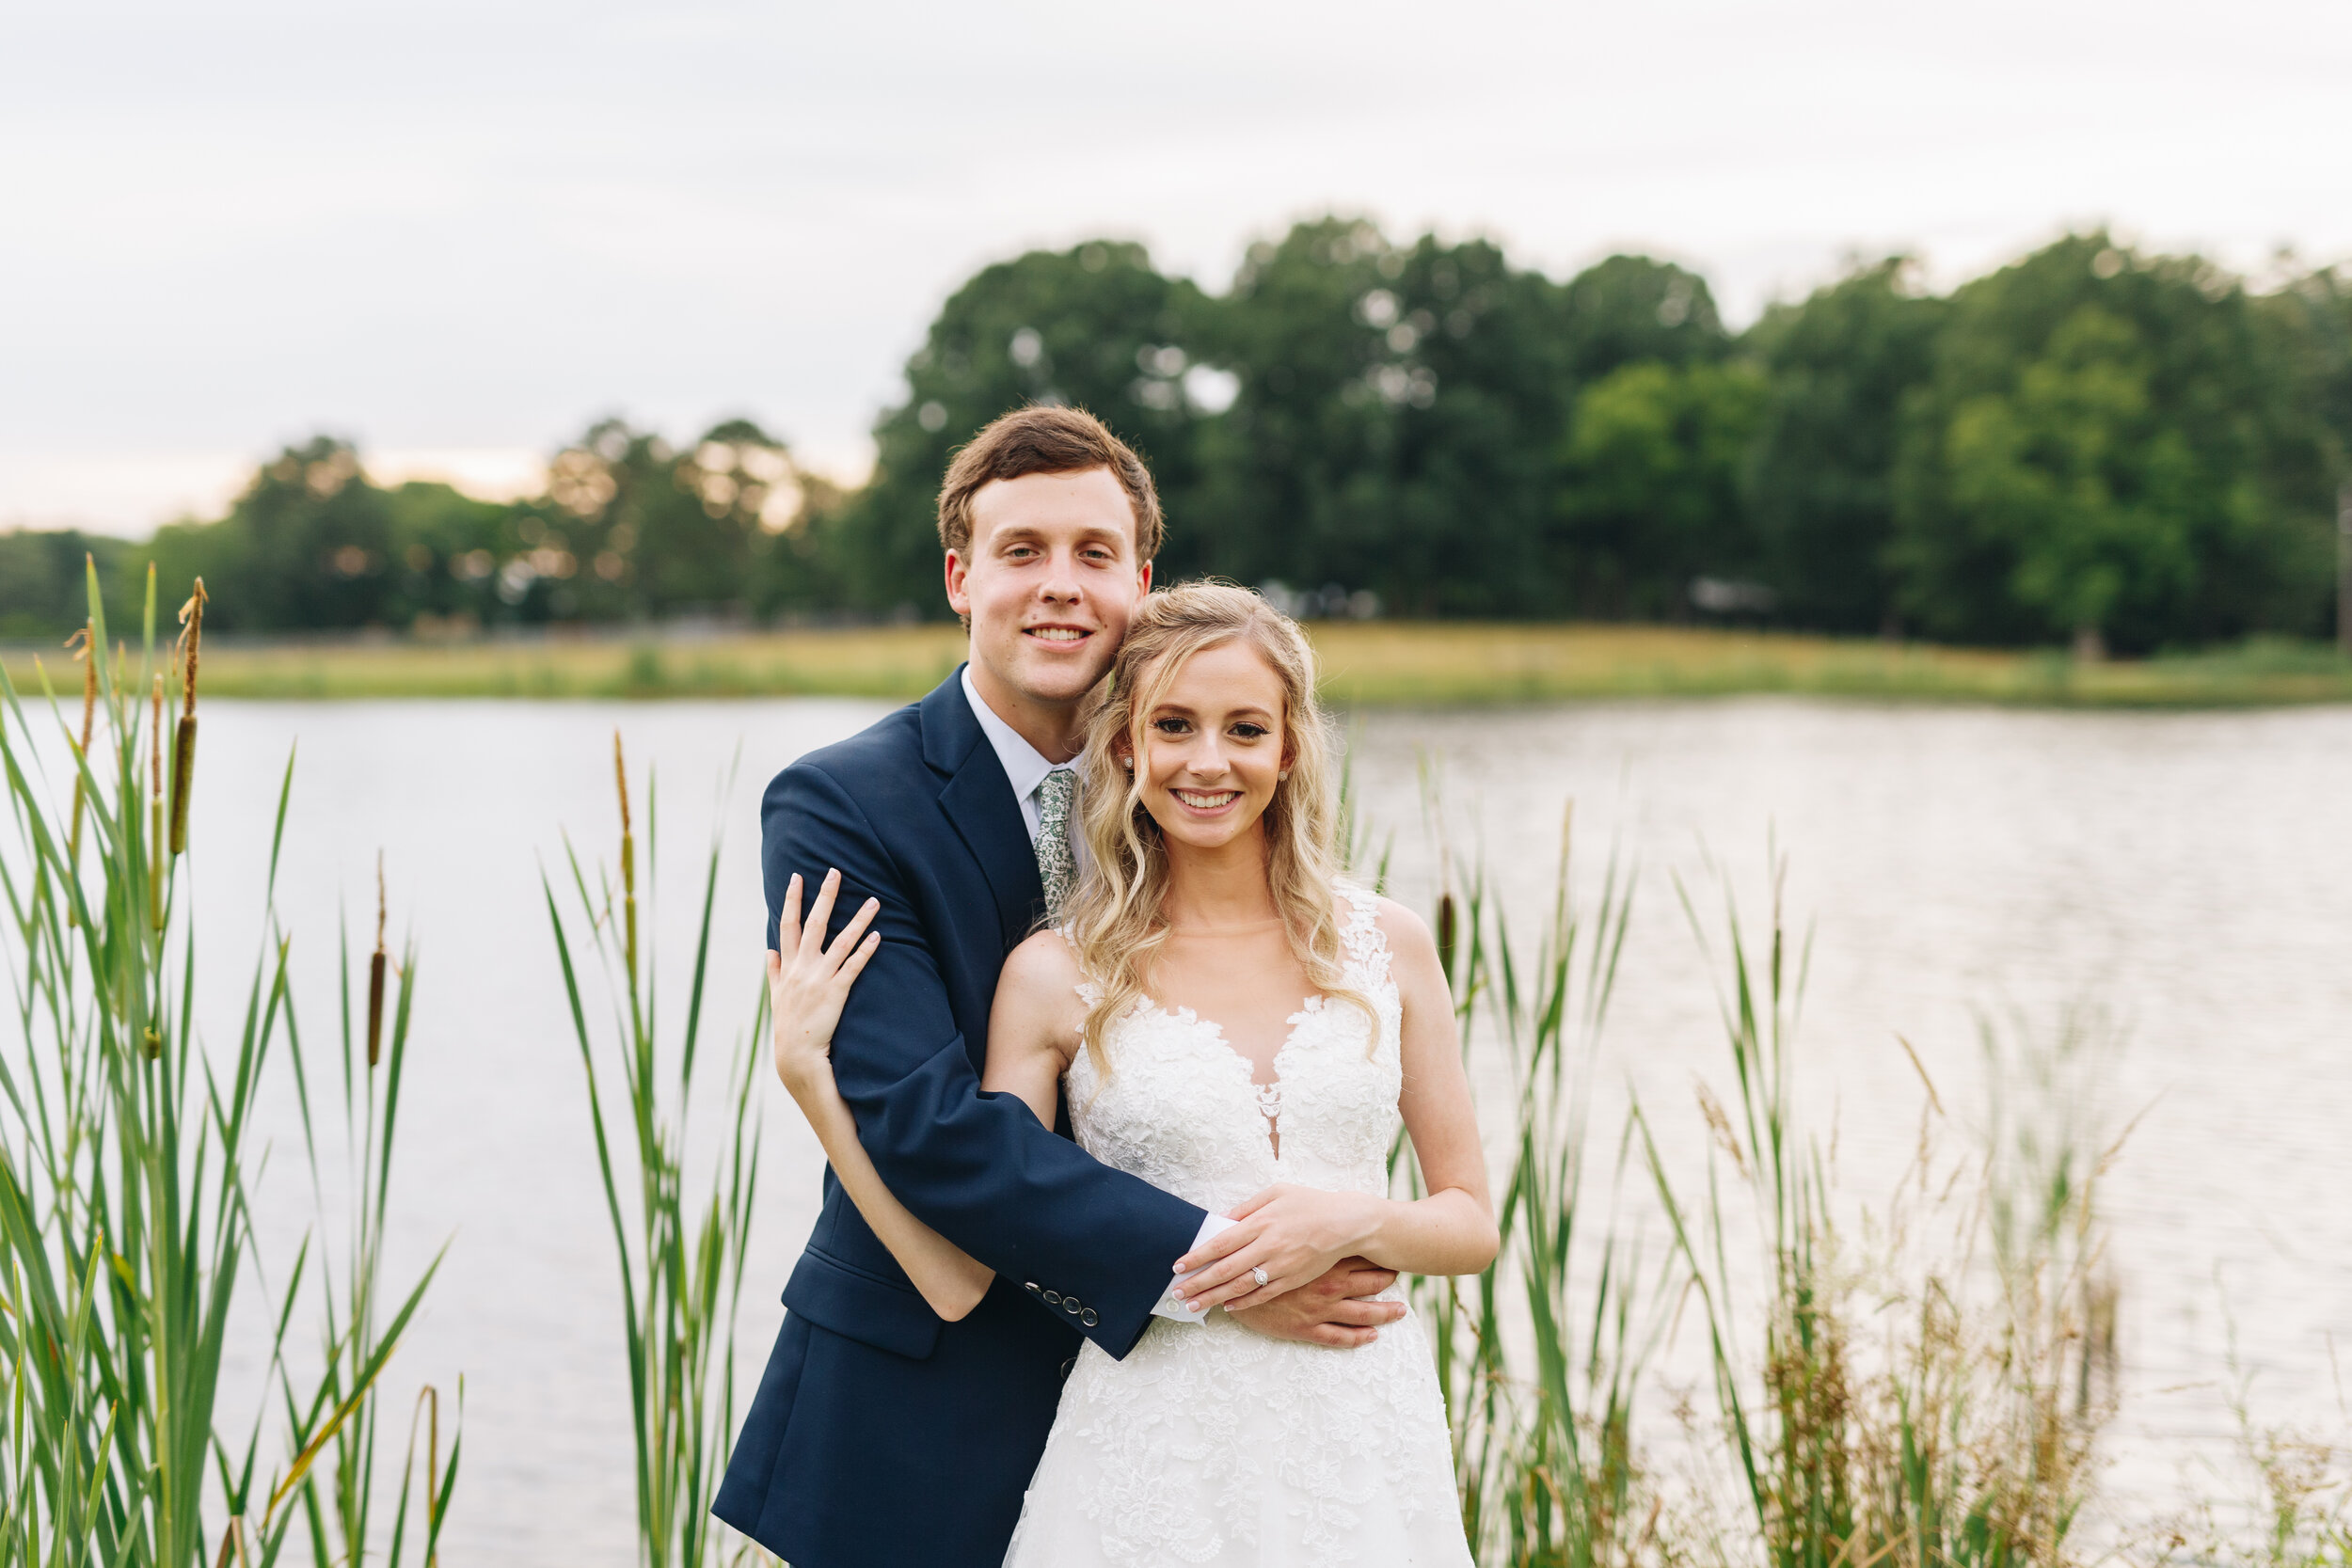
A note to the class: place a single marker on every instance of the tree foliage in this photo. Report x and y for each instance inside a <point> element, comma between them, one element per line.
<point>2091,444</point>
<point>1818,482</point>
<point>2113,448</point>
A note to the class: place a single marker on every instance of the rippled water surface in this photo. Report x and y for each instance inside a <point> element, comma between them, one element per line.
<point>2187,877</point>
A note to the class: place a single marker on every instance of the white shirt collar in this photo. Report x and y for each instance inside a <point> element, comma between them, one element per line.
<point>1024,766</point>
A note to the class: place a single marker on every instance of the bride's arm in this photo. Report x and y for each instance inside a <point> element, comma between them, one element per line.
<point>804,996</point>
<point>1295,1233</point>
<point>1033,1028</point>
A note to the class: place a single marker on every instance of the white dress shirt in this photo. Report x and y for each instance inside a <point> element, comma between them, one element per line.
<point>1026,768</point>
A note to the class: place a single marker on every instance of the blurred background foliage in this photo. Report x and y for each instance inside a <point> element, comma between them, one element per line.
<point>2092,445</point>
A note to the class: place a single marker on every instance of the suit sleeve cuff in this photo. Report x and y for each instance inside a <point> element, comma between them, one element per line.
<point>1168,1305</point>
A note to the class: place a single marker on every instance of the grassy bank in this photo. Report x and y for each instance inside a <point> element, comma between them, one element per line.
<point>1366,663</point>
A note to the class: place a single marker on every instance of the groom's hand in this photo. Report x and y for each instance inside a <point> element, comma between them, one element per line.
<point>1334,1310</point>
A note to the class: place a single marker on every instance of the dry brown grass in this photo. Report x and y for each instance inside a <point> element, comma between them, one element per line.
<point>1370,663</point>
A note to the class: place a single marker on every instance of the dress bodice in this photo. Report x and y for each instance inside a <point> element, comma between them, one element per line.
<point>1179,1108</point>
<point>1211,1446</point>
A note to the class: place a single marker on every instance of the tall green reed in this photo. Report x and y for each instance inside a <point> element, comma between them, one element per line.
<point>681,1264</point>
<point>338,1417</point>
<point>1540,1357</point>
<point>127,1150</point>
<point>1924,1387</point>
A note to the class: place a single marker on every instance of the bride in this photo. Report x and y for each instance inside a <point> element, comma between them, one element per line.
<point>1234,1024</point>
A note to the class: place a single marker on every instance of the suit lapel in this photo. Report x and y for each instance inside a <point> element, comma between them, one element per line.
<point>978,802</point>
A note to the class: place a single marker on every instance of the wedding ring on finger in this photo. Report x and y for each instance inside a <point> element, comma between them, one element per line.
<point>1260,1276</point>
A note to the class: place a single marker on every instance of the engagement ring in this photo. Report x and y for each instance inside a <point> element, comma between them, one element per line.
<point>1258,1274</point>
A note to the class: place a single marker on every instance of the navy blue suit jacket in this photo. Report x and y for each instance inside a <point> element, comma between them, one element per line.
<point>881,1435</point>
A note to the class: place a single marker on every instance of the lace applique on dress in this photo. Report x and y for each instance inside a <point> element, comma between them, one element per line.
<point>1209,1444</point>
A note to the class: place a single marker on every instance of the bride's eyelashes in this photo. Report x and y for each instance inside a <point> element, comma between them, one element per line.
<point>1245,730</point>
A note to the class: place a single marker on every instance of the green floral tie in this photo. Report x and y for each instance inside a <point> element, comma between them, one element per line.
<point>1056,866</point>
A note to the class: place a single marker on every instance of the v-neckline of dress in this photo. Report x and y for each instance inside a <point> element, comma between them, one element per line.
<point>1268,1096</point>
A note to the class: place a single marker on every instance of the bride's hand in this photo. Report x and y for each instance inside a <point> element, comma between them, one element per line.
<point>1293,1233</point>
<point>807,981</point>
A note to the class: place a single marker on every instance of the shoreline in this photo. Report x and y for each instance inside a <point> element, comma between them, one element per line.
<point>1366,664</point>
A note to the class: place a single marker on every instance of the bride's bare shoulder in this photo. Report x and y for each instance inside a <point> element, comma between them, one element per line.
<point>1038,987</point>
<point>1405,931</point>
<point>1043,963</point>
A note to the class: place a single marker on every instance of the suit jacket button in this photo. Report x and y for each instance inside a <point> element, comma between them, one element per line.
<point>1031,1288</point>
<point>1089,1317</point>
<point>1053,1298</point>
<point>1070,1305</point>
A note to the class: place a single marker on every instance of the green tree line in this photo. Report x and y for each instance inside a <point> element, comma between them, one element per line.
<point>2092,444</point>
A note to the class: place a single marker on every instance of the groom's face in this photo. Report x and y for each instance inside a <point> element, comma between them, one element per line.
<point>1049,582</point>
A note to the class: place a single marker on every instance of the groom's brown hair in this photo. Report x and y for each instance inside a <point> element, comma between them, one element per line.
<point>1044,440</point>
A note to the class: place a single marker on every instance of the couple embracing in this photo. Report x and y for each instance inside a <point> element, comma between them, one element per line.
<point>1106,1059</point>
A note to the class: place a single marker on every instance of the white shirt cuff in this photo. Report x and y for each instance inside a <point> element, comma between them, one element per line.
<point>1167,1306</point>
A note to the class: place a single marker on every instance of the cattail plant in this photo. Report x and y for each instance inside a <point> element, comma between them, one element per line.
<point>127,1169</point>
<point>376,974</point>
<point>1963,1438</point>
<point>1959,1433</point>
<point>184,740</point>
<point>1540,1356</point>
<point>681,1262</point>
<point>336,1418</point>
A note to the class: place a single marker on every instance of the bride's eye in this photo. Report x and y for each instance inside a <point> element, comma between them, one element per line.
<point>1170,726</point>
<point>1249,731</point>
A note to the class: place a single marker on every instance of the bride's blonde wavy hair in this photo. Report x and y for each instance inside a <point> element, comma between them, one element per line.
<point>1116,923</point>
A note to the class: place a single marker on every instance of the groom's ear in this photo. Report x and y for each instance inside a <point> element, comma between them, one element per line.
<point>957,600</point>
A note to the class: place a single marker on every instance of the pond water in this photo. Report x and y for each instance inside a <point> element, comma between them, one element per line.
<point>2187,877</point>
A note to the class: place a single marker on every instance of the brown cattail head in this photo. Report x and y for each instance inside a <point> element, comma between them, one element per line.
<point>183,775</point>
<point>629,859</point>
<point>375,973</point>
<point>183,742</point>
<point>1446,919</point>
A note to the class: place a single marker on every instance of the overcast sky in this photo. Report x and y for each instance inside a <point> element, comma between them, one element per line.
<point>459,232</point>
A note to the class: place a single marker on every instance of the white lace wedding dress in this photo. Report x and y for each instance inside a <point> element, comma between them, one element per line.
<point>1209,1444</point>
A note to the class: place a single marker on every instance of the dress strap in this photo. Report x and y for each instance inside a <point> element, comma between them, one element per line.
<point>1089,990</point>
<point>1360,937</point>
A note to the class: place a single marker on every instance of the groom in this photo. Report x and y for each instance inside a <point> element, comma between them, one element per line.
<point>881,1435</point>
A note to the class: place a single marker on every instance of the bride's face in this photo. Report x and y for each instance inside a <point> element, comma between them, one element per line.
<point>1213,747</point>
